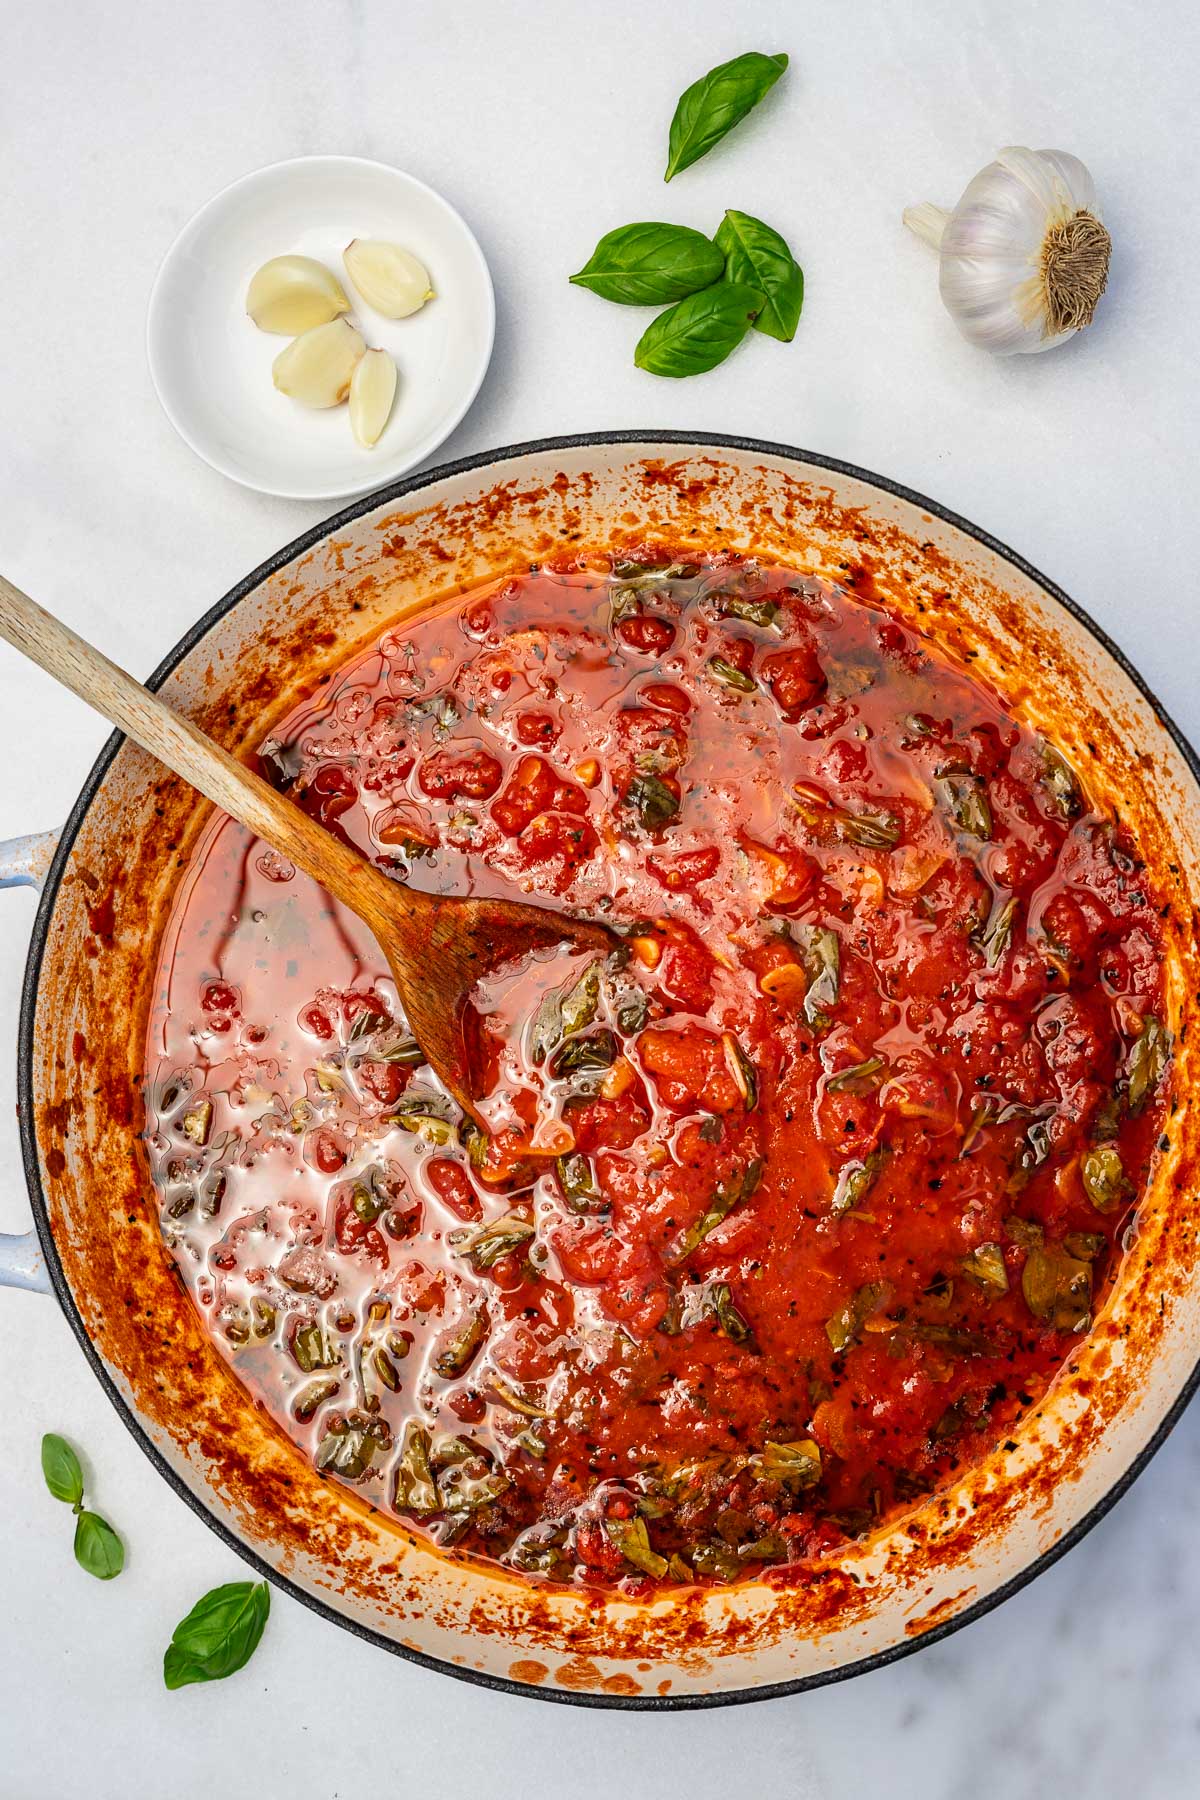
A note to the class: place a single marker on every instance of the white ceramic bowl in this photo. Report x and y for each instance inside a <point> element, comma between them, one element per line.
<point>211,365</point>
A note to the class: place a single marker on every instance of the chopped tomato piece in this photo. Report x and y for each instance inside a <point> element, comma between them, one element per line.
<point>447,774</point>
<point>689,1065</point>
<point>534,787</point>
<point>687,869</point>
<point>450,1182</point>
<point>795,677</point>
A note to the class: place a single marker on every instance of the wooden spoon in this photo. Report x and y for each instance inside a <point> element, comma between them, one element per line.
<point>437,947</point>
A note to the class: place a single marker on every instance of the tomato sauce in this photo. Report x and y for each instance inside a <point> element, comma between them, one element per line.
<point>787,1212</point>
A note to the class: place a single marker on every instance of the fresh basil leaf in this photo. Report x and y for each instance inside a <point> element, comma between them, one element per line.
<point>699,332</point>
<point>219,1635</point>
<point>716,103</point>
<point>757,257</point>
<point>98,1549</point>
<point>651,264</point>
<point>60,1466</point>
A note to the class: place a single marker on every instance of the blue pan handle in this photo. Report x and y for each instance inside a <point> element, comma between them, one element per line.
<point>25,862</point>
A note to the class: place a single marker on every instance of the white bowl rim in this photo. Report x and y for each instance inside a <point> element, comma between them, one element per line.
<point>453,419</point>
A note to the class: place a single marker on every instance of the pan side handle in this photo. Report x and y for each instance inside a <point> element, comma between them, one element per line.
<point>25,862</point>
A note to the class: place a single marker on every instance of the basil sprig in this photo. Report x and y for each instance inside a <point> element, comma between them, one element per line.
<point>712,106</point>
<point>98,1549</point>
<point>699,332</point>
<point>714,289</point>
<point>219,1635</point>
<point>651,264</point>
<point>756,256</point>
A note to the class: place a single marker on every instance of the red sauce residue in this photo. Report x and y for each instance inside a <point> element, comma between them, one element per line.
<point>102,917</point>
<point>533,1673</point>
<point>939,1614</point>
<point>786,1217</point>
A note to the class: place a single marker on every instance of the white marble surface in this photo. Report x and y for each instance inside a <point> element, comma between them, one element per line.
<point>545,123</point>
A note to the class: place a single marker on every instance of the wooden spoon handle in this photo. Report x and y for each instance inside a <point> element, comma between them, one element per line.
<point>186,750</point>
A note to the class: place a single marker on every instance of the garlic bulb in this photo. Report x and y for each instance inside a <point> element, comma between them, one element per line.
<point>372,391</point>
<point>291,294</point>
<point>317,368</point>
<point>1023,256</point>
<point>388,278</point>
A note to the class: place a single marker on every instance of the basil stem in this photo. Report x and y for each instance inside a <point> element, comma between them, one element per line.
<point>651,265</point>
<point>712,106</point>
<point>405,1051</point>
<point>758,257</point>
<point>220,1634</point>
<point>516,1401</point>
<point>699,332</point>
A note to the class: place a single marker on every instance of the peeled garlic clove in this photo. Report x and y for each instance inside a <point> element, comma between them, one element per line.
<point>372,390</point>
<point>291,294</point>
<point>318,367</point>
<point>388,278</point>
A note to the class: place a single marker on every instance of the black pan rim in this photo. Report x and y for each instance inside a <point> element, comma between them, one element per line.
<point>699,443</point>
